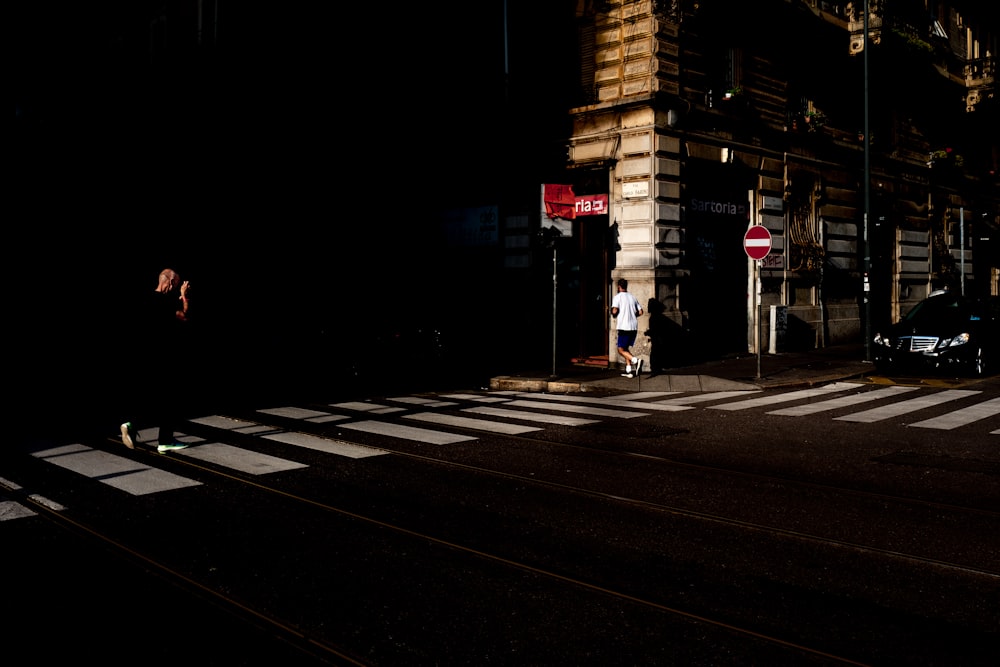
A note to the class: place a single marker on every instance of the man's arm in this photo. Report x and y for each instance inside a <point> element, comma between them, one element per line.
<point>182,314</point>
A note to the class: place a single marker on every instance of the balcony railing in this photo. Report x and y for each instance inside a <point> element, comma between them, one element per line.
<point>874,23</point>
<point>980,72</point>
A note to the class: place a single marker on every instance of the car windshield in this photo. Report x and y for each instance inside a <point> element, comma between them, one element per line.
<point>946,307</point>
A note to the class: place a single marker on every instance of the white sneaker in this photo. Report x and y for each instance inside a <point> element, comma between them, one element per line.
<point>638,366</point>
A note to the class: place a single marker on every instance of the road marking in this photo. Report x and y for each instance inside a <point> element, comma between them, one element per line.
<point>254,460</point>
<point>244,460</point>
<point>407,432</point>
<point>904,407</point>
<point>235,425</point>
<point>480,398</point>
<point>614,401</point>
<point>115,471</point>
<point>560,420</point>
<point>423,402</point>
<point>314,416</point>
<point>327,445</point>
<point>361,406</point>
<point>711,396</point>
<point>771,399</point>
<point>12,510</point>
<point>475,424</point>
<point>586,409</point>
<point>973,413</point>
<point>843,401</point>
<point>645,395</point>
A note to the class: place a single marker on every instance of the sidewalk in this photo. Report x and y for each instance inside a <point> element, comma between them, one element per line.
<point>769,371</point>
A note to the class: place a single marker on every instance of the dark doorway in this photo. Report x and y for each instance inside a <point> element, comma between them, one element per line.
<point>715,295</point>
<point>582,290</point>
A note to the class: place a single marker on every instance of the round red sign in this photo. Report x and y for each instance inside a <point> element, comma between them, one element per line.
<point>757,242</point>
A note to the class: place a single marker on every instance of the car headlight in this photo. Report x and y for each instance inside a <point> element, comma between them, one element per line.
<point>882,340</point>
<point>960,339</point>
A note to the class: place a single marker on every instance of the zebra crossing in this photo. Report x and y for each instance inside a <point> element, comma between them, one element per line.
<point>433,421</point>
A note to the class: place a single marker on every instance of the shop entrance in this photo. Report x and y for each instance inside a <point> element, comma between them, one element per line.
<point>715,294</point>
<point>582,292</point>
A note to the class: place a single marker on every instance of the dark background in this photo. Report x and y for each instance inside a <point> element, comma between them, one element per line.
<point>293,173</point>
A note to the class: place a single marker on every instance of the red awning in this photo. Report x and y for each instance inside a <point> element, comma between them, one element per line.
<point>560,202</point>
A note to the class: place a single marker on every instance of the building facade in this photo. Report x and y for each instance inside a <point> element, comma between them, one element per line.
<point>872,163</point>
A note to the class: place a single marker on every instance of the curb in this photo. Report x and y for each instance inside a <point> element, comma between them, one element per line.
<point>671,382</point>
<point>507,383</point>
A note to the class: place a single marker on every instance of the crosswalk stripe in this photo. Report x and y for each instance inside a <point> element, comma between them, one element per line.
<point>645,395</point>
<point>586,409</point>
<point>475,424</point>
<point>328,445</point>
<point>244,460</point>
<point>710,396</point>
<point>608,401</point>
<point>357,406</point>
<point>785,397</point>
<point>407,432</point>
<point>904,407</point>
<point>964,416</point>
<point>423,402</point>
<point>561,420</point>
<point>303,414</point>
<point>361,406</point>
<point>843,401</point>
<point>115,471</point>
<point>13,510</point>
<point>16,513</point>
<point>478,398</point>
<point>236,425</point>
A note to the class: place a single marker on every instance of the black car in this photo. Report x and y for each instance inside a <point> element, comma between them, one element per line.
<point>944,331</point>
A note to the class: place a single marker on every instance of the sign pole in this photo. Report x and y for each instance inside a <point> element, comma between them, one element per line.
<point>758,311</point>
<point>555,277</point>
<point>757,245</point>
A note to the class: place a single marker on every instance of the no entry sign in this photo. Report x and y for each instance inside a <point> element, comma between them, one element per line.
<point>757,242</point>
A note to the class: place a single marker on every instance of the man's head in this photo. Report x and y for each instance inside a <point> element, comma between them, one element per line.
<point>169,280</point>
<point>623,284</point>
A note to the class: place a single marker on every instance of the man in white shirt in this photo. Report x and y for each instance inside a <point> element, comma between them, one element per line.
<point>626,309</point>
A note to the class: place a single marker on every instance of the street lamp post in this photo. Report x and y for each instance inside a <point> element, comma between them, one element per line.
<point>867,246</point>
<point>548,236</point>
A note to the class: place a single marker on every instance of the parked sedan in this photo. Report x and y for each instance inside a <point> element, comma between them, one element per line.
<point>944,331</point>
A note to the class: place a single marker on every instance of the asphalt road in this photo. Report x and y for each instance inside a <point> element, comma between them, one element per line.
<point>847,523</point>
